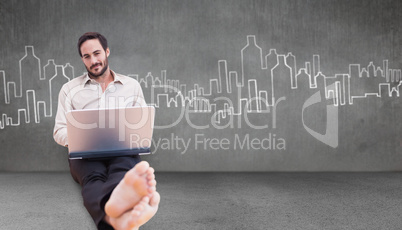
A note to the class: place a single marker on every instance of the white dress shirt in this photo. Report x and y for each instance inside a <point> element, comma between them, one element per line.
<point>85,93</point>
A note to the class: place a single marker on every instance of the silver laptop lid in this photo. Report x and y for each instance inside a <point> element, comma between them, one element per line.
<point>110,129</point>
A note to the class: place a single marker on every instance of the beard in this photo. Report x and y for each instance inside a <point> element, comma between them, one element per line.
<point>103,70</point>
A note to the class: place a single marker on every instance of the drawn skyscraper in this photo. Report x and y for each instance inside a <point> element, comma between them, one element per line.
<point>69,71</point>
<point>271,60</point>
<point>303,80</point>
<point>282,78</point>
<point>31,79</point>
<point>354,73</point>
<point>291,62</point>
<point>49,70</point>
<point>251,66</point>
<point>316,68</point>
<point>55,84</point>
<point>3,89</point>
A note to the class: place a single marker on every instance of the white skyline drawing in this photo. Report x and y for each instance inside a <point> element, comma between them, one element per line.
<point>261,84</point>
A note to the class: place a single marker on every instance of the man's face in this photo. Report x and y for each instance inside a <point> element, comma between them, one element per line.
<point>94,57</point>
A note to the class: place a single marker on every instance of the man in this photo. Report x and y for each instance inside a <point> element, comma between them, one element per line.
<point>118,193</point>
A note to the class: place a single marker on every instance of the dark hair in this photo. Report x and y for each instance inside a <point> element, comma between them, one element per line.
<point>89,36</point>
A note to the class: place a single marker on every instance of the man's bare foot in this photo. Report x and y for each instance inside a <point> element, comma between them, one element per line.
<point>145,209</point>
<point>138,216</point>
<point>137,183</point>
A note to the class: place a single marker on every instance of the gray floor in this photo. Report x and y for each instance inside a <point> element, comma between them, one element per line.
<point>219,201</point>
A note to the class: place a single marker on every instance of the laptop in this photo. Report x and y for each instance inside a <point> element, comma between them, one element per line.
<point>105,133</point>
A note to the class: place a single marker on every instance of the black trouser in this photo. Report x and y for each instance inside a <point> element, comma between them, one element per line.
<point>98,178</point>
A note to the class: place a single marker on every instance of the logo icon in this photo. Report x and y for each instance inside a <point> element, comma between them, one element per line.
<point>331,133</point>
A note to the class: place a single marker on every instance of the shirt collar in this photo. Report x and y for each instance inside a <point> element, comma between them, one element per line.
<point>117,78</point>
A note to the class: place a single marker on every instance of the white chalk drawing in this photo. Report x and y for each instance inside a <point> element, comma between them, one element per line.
<point>34,89</point>
<point>263,82</point>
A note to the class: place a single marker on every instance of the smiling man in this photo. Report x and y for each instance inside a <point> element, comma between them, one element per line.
<point>120,192</point>
<point>95,55</point>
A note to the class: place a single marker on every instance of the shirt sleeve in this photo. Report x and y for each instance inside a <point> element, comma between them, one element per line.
<point>60,126</point>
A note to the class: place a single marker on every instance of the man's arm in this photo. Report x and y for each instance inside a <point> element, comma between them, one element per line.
<point>60,125</point>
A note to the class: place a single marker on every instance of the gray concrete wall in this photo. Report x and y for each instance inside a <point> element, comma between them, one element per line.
<point>257,85</point>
